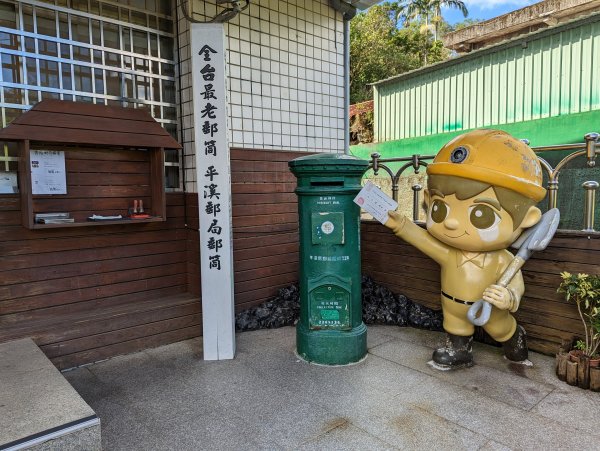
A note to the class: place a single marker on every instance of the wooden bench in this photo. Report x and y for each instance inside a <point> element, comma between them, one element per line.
<point>76,336</point>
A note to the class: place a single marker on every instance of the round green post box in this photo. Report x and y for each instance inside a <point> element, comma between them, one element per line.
<point>330,330</point>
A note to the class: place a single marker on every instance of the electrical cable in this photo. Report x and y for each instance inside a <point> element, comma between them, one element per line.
<point>224,16</point>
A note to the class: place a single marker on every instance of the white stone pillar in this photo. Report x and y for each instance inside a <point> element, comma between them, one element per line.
<point>213,177</point>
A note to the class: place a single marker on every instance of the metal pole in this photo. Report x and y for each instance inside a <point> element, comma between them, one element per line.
<point>552,191</point>
<point>375,162</point>
<point>590,200</point>
<point>346,86</point>
<point>590,147</point>
<point>416,188</point>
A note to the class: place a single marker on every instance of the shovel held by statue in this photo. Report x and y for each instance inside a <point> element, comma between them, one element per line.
<point>534,239</point>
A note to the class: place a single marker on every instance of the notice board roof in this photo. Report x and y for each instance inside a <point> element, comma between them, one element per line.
<point>60,121</point>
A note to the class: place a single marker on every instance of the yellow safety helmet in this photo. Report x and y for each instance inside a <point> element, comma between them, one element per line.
<point>494,157</point>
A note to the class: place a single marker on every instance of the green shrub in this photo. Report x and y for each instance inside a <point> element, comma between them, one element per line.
<point>584,291</point>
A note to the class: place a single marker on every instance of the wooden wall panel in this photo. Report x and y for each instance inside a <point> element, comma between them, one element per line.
<point>89,293</point>
<point>544,313</point>
<point>265,226</point>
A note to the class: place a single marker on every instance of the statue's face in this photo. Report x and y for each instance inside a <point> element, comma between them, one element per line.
<point>477,224</point>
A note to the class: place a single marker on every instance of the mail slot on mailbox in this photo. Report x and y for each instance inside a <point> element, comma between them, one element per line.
<point>330,330</point>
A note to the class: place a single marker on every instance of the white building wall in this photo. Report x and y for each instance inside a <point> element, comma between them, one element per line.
<point>285,78</point>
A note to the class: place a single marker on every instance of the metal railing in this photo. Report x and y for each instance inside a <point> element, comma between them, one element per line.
<point>589,148</point>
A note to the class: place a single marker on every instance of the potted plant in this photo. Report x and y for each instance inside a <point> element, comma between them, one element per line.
<point>578,350</point>
<point>584,291</point>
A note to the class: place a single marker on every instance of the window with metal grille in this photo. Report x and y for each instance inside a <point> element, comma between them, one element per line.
<point>117,53</point>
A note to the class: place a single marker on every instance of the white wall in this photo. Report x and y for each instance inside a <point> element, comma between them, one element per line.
<point>285,66</point>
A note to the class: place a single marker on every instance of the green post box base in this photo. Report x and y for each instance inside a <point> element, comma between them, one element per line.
<point>331,347</point>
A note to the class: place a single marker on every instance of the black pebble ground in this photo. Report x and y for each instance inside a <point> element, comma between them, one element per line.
<point>380,306</point>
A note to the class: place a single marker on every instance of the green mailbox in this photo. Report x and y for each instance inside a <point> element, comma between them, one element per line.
<point>330,330</point>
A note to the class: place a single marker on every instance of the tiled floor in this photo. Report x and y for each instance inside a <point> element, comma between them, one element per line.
<point>168,398</point>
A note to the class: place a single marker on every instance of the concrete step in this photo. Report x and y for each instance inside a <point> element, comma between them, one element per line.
<point>38,407</point>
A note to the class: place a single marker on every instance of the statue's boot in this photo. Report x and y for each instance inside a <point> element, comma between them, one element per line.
<point>457,353</point>
<point>515,349</point>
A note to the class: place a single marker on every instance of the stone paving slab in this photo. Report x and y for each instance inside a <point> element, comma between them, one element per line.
<point>344,436</point>
<point>36,402</point>
<point>503,386</point>
<point>486,355</point>
<point>409,428</point>
<point>574,407</point>
<point>268,398</point>
<point>505,424</point>
<point>494,446</point>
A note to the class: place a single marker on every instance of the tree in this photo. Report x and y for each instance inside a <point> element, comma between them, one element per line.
<point>411,11</point>
<point>379,49</point>
<point>420,47</point>
<point>374,51</point>
<point>437,11</point>
<point>428,13</point>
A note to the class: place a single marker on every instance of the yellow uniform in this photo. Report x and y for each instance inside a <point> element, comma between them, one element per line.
<point>464,277</point>
<point>482,188</point>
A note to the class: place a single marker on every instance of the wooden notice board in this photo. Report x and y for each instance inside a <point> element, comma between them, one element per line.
<point>113,160</point>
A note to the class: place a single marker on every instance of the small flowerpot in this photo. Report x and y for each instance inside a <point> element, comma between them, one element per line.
<point>595,362</point>
<point>575,355</point>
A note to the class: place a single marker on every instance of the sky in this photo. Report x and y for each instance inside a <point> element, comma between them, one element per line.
<point>485,9</point>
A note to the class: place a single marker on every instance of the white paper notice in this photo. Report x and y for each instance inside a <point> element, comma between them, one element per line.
<point>48,172</point>
<point>8,183</point>
<point>375,202</point>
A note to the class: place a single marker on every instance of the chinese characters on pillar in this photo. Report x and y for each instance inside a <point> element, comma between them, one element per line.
<point>210,127</point>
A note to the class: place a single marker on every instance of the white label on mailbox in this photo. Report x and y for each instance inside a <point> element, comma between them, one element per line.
<point>327,227</point>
